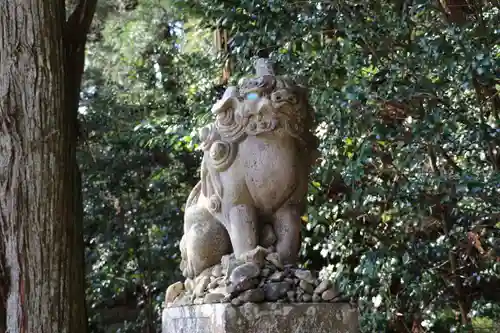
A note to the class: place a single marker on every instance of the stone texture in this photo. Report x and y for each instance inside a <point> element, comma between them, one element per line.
<point>274,259</point>
<point>267,236</point>
<point>304,275</point>
<point>248,283</point>
<point>201,285</point>
<point>256,256</point>
<point>253,296</point>
<point>217,271</point>
<point>277,276</point>
<point>261,318</point>
<point>228,263</point>
<point>173,291</point>
<point>307,287</point>
<point>213,298</point>
<point>189,285</point>
<point>329,294</point>
<point>323,286</point>
<point>257,155</point>
<point>244,272</point>
<point>276,290</point>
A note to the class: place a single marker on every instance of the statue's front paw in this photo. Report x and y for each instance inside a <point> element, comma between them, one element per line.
<point>185,273</point>
<point>187,269</point>
<point>183,265</point>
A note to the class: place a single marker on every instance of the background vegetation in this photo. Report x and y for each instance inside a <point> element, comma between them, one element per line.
<point>404,205</point>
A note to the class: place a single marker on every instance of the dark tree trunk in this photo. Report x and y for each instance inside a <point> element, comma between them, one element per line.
<point>4,287</point>
<point>41,246</point>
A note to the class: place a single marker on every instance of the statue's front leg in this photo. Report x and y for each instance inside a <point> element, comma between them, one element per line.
<point>243,228</point>
<point>287,226</point>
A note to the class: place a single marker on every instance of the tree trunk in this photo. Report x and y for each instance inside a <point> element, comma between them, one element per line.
<point>4,287</point>
<point>41,250</point>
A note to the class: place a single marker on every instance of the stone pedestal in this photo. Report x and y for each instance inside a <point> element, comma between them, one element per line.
<point>261,318</point>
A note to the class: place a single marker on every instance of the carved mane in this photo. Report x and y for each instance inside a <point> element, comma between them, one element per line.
<point>257,105</point>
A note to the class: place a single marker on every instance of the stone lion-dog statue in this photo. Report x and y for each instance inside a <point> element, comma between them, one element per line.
<point>257,156</point>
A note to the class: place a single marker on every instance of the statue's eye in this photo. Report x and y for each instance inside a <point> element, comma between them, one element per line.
<point>252,96</point>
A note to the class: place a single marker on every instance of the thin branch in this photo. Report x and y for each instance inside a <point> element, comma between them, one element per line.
<point>448,158</point>
<point>433,161</point>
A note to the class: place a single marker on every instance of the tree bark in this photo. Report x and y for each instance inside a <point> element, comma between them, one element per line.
<point>41,250</point>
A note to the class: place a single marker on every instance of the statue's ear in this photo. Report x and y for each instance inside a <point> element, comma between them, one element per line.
<point>227,99</point>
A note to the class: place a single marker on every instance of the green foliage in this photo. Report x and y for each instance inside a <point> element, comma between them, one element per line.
<point>404,204</point>
<point>142,98</point>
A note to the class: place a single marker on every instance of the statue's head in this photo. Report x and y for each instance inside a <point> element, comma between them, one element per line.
<point>267,94</point>
<point>281,93</point>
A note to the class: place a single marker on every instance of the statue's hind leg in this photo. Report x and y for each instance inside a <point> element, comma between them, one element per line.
<point>243,228</point>
<point>287,225</point>
<point>204,243</point>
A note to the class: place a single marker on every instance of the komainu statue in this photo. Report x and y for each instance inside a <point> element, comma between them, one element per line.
<point>254,173</point>
<point>245,213</point>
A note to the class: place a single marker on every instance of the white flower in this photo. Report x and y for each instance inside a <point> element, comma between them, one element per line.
<point>377,300</point>
<point>426,323</point>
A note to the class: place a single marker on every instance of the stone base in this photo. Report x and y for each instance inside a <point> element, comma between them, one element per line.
<point>261,318</point>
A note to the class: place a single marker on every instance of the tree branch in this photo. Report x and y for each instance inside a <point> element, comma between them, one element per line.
<point>78,23</point>
<point>75,36</point>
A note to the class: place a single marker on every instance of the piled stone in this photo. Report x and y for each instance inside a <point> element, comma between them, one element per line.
<point>257,276</point>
